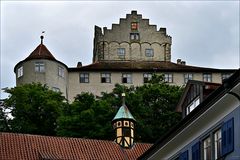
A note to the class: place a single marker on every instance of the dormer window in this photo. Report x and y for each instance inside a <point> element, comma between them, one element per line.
<point>193,105</point>
<point>134,26</point>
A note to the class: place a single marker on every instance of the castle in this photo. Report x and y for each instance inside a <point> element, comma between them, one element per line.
<point>128,54</point>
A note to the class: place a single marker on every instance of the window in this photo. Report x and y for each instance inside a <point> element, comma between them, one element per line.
<point>126,132</point>
<point>207,153</point>
<point>105,77</point>
<point>39,67</point>
<point>60,71</point>
<point>227,137</point>
<point>55,89</point>
<point>184,156</point>
<point>225,76</point>
<point>196,151</point>
<point>188,76</point>
<point>134,36</point>
<point>207,77</point>
<point>168,77</point>
<point>134,26</point>
<point>121,53</point>
<point>20,72</point>
<point>147,77</point>
<point>193,105</point>
<point>126,78</point>
<point>84,77</point>
<point>149,52</point>
<point>217,144</point>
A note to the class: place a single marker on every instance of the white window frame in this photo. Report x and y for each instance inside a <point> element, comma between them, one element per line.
<point>207,77</point>
<point>55,89</point>
<point>217,144</point>
<point>192,105</point>
<point>134,36</point>
<point>207,148</point>
<point>127,78</point>
<point>39,67</point>
<point>149,52</point>
<point>20,72</point>
<point>121,52</point>
<point>84,77</point>
<point>188,76</point>
<point>168,77</point>
<point>105,77</point>
<point>61,71</point>
<point>147,77</point>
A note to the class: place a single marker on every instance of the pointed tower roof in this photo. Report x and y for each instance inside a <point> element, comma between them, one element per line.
<point>41,52</point>
<point>123,112</point>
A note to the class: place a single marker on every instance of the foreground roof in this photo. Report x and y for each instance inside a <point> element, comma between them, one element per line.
<point>144,66</point>
<point>228,84</point>
<point>26,146</point>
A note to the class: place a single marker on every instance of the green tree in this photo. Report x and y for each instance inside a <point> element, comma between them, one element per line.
<point>35,109</point>
<point>3,119</point>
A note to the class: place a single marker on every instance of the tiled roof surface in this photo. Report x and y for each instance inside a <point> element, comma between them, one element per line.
<point>41,52</point>
<point>143,66</point>
<point>28,147</point>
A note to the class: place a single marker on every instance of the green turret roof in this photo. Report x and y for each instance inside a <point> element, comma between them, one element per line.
<point>123,113</point>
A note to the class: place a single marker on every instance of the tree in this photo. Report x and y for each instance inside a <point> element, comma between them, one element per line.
<point>35,109</point>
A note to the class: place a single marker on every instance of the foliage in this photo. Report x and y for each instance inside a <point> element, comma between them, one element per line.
<point>35,109</point>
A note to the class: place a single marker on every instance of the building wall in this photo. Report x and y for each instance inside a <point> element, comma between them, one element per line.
<point>49,76</point>
<point>96,87</point>
<point>226,108</point>
<point>106,43</point>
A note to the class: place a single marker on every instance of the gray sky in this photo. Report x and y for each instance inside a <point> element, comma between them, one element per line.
<point>204,33</point>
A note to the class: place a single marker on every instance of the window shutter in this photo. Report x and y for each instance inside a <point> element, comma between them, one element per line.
<point>227,137</point>
<point>184,156</point>
<point>196,152</point>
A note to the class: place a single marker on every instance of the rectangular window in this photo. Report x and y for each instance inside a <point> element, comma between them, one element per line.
<point>134,36</point>
<point>168,77</point>
<point>84,77</point>
<point>207,77</point>
<point>126,78</point>
<point>134,26</point>
<point>193,105</point>
<point>217,144</point>
<point>20,72</point>
<point>121,53</point>
<point>147,77</point>
<point>60,71</point>
<point>196,151</point>
<point>39,67</point>
<point>227,137</point>
<point>149,53</point>
<point>105,77</point>
<point>188,76</point>
<point>55,89</point>
<point>207,153</point>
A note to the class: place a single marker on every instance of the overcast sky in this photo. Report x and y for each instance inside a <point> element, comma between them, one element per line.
<point>203,34</point>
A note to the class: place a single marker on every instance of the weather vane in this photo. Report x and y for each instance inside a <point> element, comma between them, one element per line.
<point>42,37</point>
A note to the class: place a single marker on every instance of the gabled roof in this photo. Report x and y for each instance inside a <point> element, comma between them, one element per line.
<point>41,52</point>
<point>123,113</point>
<point>26,146</point>
<point>228,84</point>
<point>153,66</point>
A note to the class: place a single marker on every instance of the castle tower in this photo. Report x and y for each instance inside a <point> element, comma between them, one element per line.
<point>123,124</point>
<point>42,67</point>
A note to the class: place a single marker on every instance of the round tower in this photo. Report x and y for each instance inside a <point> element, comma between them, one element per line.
<point>123,124</point>
<point>41,66</point>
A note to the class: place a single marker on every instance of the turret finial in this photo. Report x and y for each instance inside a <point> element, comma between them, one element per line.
<point>42,37</point>
<point>123,99</point>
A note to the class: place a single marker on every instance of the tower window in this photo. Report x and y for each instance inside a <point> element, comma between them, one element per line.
<point>84,77</point>
<point>126,78</point>
<point>134,36</point>
<point>121,53</point>
<point>149,53</point>
<point>105,77</point>
<point>60,71</point>
<point>39,67</point>
<point>134,26</point>
<point>20,72</point>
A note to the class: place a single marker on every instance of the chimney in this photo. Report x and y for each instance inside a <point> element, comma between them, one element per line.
<point>79,64</point>
<point>179,61</point>
<point>183,62</point>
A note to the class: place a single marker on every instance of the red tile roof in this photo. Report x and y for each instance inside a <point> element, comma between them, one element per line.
<point>144,66</point>
<point>41,52</point>
<point>24,146</point>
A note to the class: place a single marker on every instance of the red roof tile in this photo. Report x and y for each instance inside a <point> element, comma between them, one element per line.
<point>25,146</point>
<point>41,52</point>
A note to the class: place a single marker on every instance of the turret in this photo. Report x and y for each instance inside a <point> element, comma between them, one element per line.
<point>123,124</point>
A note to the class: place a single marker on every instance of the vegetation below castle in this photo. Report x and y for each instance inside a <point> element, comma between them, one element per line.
<point>39,110</point>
